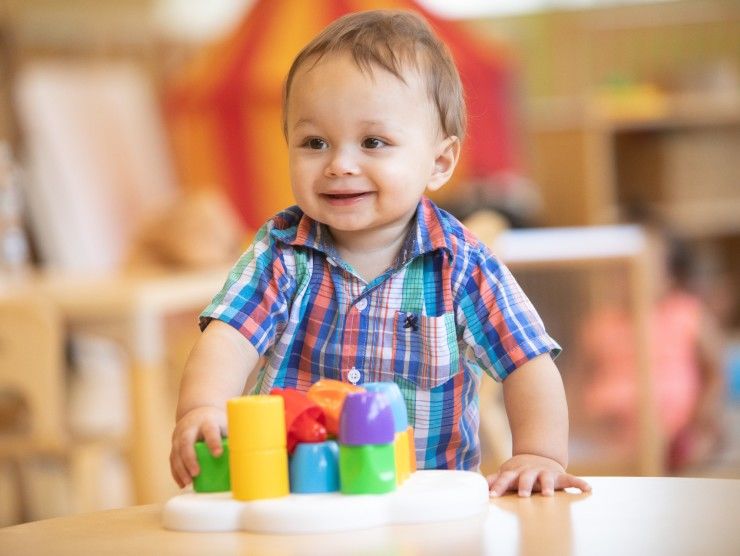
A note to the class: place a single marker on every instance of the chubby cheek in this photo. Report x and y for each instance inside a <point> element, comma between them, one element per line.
<point>301,179</point>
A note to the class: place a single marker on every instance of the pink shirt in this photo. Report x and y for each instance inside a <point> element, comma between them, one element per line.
<point>609,345</point>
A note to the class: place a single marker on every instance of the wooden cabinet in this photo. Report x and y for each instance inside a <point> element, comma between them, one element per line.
<point>682,161</point>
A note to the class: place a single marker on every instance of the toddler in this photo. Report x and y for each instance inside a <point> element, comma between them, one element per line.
<point>685,364</point>
<point>367,280</point>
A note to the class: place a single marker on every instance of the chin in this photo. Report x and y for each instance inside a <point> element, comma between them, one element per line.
<point>345,226</point>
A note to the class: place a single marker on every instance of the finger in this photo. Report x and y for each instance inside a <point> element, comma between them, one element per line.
<point>491,480</point>
<point>526,481</point>
<point>179,473</point>
<point>566,480</point>
<point>175,471</point>
<point>547,483</point>
<point>504,481</point>
<point>212,437</point>
<point>186,449</point>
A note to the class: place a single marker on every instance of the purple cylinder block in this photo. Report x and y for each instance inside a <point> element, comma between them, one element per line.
<point>367,418</point>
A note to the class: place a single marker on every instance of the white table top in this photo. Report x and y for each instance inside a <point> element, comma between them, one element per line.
<point>623,515</point>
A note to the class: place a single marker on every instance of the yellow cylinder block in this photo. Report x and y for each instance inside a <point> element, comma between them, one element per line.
<point>256,423</point>
<point>259,474</point>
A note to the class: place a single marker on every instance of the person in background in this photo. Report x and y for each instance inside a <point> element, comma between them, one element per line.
<point>367,280</point>
<point>685,348</point>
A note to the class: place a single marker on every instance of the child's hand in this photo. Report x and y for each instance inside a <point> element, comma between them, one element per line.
<point>529,473</point>
<point>208,423</point>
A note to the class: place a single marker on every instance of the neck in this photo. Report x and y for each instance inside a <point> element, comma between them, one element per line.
<point>365,242</point>
<point>371,253</point>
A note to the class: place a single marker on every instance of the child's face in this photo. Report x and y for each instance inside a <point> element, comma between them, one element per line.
<point>363,148</point>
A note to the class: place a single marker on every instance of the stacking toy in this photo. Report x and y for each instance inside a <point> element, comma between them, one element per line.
<point>412,449</point>
<point>400,425</point>
<point>369,469</point>
<point>367,418</point>
<point>315,468</point>
<point>214,470</point>
<point>258,459</point>
<point>366,452</point>
<point>398,406</point>
<point>329,395</point>
<point>304,420</point>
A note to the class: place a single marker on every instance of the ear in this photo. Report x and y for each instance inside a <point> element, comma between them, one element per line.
<point>447,155</point>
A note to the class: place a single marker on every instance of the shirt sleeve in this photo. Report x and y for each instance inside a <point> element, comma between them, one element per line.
<point>501,326</point>
<point>255,297</point>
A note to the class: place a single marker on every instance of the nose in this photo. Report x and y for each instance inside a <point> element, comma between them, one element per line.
<point>341,163</point>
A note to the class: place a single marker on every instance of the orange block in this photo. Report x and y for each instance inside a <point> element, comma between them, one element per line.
<point>329,395</point>
<point>412,449</point>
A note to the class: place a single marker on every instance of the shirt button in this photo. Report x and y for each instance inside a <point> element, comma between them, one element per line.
<point>361,304</point>
<point>354,376</point>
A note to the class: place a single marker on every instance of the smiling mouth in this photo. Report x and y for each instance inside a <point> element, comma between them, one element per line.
<point>345,195</point>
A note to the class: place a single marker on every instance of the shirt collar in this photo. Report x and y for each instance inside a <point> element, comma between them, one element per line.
<point>429,232</point>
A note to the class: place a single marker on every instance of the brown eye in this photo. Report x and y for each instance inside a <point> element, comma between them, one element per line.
<point>372,143</point>
<point>315,143</point>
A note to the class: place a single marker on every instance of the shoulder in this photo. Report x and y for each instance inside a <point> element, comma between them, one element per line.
<point>475,273</point>
<point>272,245</point>
<point>472,260</point>
<point>461,242</point>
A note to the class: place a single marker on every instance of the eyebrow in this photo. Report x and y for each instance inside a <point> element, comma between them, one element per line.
<point>369,123</point>
<point>385,126</point>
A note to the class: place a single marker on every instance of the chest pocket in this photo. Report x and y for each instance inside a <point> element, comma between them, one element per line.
<point>425,348</point>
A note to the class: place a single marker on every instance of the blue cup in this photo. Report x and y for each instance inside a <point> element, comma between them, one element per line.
<point>398,406</point>
<point>314,468</point>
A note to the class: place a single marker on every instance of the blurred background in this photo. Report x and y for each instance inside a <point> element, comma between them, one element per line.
<point>141,147</point>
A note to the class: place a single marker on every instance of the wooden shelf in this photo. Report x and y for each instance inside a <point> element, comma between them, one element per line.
<point>682,160</point>
<point>704,219</point>
<point>678,111</point>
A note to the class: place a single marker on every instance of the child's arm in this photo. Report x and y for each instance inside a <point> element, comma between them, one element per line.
<point>538,417</point>
<point>217,370</point>
<point>707,418</point>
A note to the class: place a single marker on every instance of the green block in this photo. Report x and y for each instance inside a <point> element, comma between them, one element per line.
<point>214,471</point>
<point>369,469</point>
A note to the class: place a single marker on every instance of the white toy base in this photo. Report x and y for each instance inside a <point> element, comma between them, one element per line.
<point>425,496</point>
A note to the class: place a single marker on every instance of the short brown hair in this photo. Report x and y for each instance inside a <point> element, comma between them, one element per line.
<point>391,39</point>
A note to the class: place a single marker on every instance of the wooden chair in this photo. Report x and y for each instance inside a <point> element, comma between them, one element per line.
<point>32,386</point>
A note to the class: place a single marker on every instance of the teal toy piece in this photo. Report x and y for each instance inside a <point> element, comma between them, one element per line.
<point>214,471</point>
<point>314,467</point>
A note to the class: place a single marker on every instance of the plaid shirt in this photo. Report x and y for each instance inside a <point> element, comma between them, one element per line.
<point>446,310</point>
